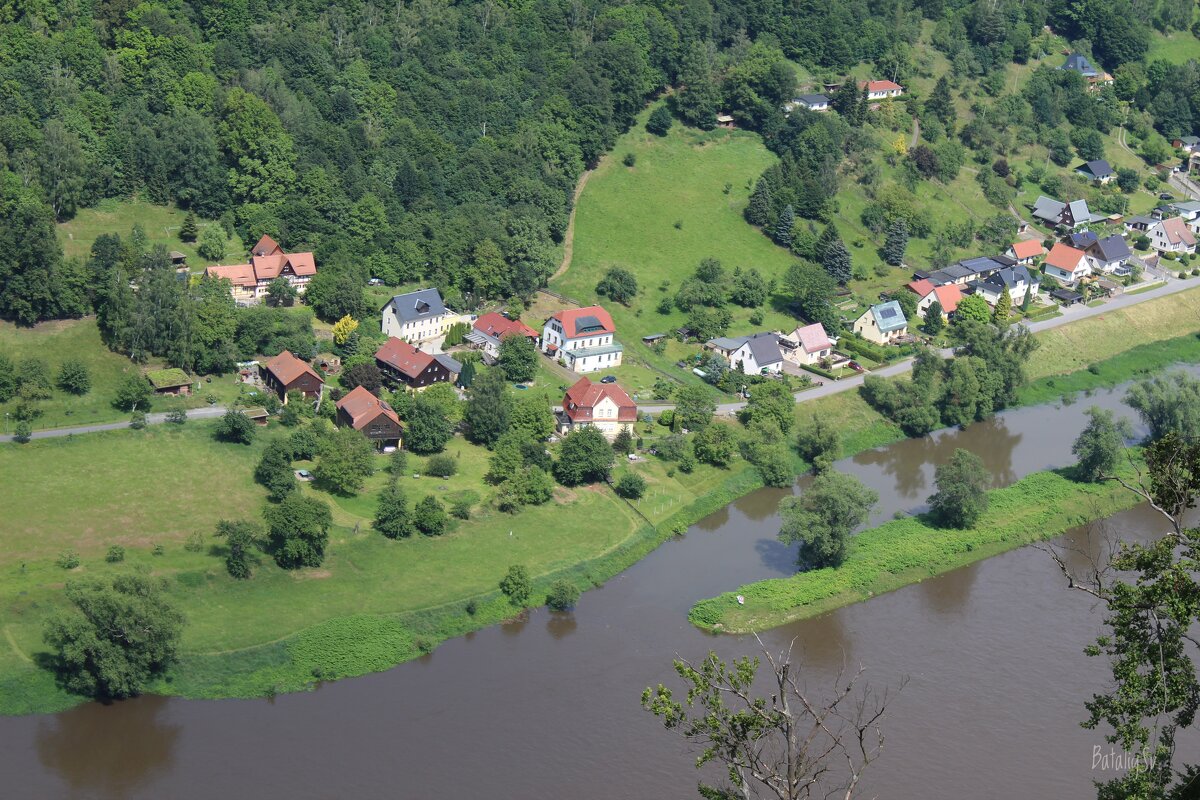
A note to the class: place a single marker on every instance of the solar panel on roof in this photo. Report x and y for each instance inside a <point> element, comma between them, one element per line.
<point>887,313</point>
<point>588,323</point>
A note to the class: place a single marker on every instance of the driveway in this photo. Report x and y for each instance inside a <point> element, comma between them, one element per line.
<point>151,419</point>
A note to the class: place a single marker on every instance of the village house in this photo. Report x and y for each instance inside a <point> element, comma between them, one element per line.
<point>1066,264</point>
<point>1082,240</point>
<point>1140,224</point>
<point>946,295</point>
<point>808,344</point>
<point>1016,281</point>
<point>491,328</point>
<point>285,373</point>
<point>1110,256</point>
<point>813,102</point>
<point>402,364</point>
<point>267,262</point>
<point>758,353</point>
<point>1188,144</point>
<point>965,271</point>
<point>417,316</point>
<point>1189,210</point>
<point>370,416</point>
<point>170,381</point>
<point>882,324</point>
<point>1077,62</point>
<point>604,406</point>
<point>881,90</point>
<point>1071,216</point>
<point>1172,236</point>
<point>1098,171</point>
<point>1026,251</point>
<point>582,339</point>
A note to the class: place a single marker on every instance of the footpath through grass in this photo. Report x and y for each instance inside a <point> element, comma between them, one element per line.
<point>895,554</point>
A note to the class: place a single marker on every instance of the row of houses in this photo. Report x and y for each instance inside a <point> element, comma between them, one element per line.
<point>767,352</point>
<point>876,90</point>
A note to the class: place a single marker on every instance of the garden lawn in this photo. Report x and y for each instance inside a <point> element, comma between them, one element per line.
<point>161,224</point>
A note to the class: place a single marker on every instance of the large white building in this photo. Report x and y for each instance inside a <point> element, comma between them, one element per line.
<point>417,316</point>
<point>583,339</point>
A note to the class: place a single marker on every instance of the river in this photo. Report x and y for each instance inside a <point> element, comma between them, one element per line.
<point>548,707</point>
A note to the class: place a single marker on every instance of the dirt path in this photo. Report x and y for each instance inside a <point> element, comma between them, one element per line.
<point>569,238</point>
<point>916,133</point>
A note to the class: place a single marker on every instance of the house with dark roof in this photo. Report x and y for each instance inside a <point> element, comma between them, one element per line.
<point>1082,240</point>
<point>1057,214</point>
<point>488,331</point>
<point>603,406</point>
<point>404,365</point>
<point>813,102</point>
<point>417,316</point>
<point>268,261</point>
<point>285,373</point>
<point>1188,209</point>
<point>583,339</point>
<point>756,354</point>
<point>882,324</point>
<point>1188,144</point>
<point>808,344</point>
<point>1016,281</point>
<point>370,416</point>
<point>1110,255</point>
<point>1077,62</point>
<point>1066,264</point>
<point>967,270</point>
<point>1098,171</point>
<point>1140,224</point>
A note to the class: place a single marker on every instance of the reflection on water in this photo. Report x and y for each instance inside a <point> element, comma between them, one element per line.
<point>949,593</point>
<point>560,624</point>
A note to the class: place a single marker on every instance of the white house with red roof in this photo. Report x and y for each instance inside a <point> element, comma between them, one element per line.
<point>881,90</point>
<point>267,262</point>
<point>604,406</point>
<point>947,296</point>
<point>491,328</point>
<point>1066,264</point>
<point>808,344</point>
<point>1025,251</point>
<point>583,339</point>
<point>1172,236</point>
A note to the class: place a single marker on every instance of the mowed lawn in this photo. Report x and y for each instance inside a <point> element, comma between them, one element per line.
<point>161,224</point>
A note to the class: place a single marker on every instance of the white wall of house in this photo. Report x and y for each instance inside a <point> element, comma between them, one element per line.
<point>1082,270</point>
<point>1160,242</point>
<point>417,330</point>
<point>750,365</point>
<point>865,327</point>
<point>590,363</point>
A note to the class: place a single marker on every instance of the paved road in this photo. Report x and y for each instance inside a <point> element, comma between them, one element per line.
<point>1073,314</point>
<point>151,419</point>
<point>1186,185</point>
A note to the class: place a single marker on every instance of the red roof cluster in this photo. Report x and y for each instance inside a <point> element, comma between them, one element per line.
<point>581,400</point>
<point>404,357</point>
<point>1064,257</point>
<point>267,262</point>
<point>364,407</point>
<point>499,326</point>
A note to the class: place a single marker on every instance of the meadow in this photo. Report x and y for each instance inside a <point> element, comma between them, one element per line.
<point>160,223</point>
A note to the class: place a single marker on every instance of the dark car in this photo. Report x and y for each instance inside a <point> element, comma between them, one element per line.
<point>1164,196</point>
<point>609,379</point>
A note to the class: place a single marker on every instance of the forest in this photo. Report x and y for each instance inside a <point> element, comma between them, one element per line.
<point>441,142</point>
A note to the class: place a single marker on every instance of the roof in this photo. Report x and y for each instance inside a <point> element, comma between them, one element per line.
<point>237,274</point>
<point>1009,277</point>
<point>880,86</point>
<point>1077,62</point>
<point>418,305</point>
<point>287,368</point>
<point>763,346</point>
<point>1110,248</point>
<point>1187,206</point>
<point>1066,294</point>
<point>1097,169</point>
<point>1048,209</point>
<point>1189,140</point>
<point>889,316</point>
<point>584,395</point>
<point>1082,241</point>
<point>813,99</point>
<point>1177,231</point>
<point>168,378</point>
<point>257,412</point>
<point>265,267</point>
<point>449,363</point>
<point>1064,257</point>
<point>362,407</point>
<point>498,326</point>
<point>589,321</point>
<point>402,356</point>
<point>266,247</point>
<point>921,287</point>
<point>727,342</point>
<point>1028,248</point>
<point>948,297</point>
<point>1140,220</point>
<point>813,338</point>
<point>1079,211</point>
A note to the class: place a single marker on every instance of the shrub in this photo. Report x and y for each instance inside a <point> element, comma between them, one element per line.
<point>67,559</point>
<point>137,420</point>
<point>194,543</point>
<point>429,517</point>
<point>472,606</point>
<point>158,550</point>
<point>562,595</point>
<point>631,485</point>
<point>23,432</point>
<point>516,586</point>
<point>177,416</point>
<point>115,554</point>
<point>629,160</point>
<point>442,466</point>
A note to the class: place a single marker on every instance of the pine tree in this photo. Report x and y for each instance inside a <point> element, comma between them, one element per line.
<point>1025,300</point>
<point>941,104</point>
<point>759,211</point>
<point>1003,308</point>
<point>783,227</point>
<point>933,319</point>
<point>837,262</point>
<point>189,229</point>
<point>896,244</point>
<point>827,238</point>
<point>392,516</point>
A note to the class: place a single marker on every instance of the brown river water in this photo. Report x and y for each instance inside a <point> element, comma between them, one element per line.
<point>549,707</point>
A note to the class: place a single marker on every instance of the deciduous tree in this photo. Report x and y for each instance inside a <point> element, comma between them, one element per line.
<point>823,517</point>
<point>961,496</point>
<point>298,530</point>
<point>1100,444</point>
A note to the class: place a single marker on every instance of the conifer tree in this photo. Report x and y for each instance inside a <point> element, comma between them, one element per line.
<point>896,243</point>
<point>783,227</point>
<point>837,262</point>
<point>189,229</point>
<point>759,211</point>
<point>1003,308</point>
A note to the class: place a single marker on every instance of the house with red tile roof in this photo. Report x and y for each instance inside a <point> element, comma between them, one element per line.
<point>1066,264</point>
<point>285,373</point>
<point>604,406</point>
<point>583,339</point>
<point>267,262</point>
<point>808,344</point>
<point>372,417</point>
<point>488,331</point>
<point>1172,236</point>
<point>404,365</point>
<point>947,295</point>
<point>1026,251</point>
<point>881,90</point>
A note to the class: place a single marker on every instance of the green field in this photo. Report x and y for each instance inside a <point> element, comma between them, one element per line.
<point>1178,48</point>
<point>161,224</point>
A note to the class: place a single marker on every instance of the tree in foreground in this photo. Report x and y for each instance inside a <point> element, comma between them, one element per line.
<point>837,262</point>
<point>623,442</point>
<point>189,229</point>
<point>630,485</point>
<point>660,121</point>
<point>240,540</point>
<point>392,516</point>
<point>212,243</point>
<point>819,443</point>
<point>584,456</point>
<point>824,516</point>
<point>74,377</point>
<point>694,407</point>
<point>1150,591</point>
<point>429,517</point>
<point>488,408</point>
<point>133,393</point>
<point>972,308</point>
<point>934,322</point>
<point>516,585</point>
<point>961,496</point>
<point>518,358</point>
<point>715,445</point>
<point>428,430</point>
<point>896,243</point>
<point>1100,444</point>
<point>116,638</point>
<point>347,458</point>
<point>274,470</point>
<point>1168,404</point>
<point>794,745</point>
<point>236,427</point>
<point>298,531</point>
<point>1003,309</point>
<point>563,595</point>
<point>280,292</point>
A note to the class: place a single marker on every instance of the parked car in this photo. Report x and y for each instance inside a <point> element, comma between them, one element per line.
<point>1164,196</point>
<point>609,379</point>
